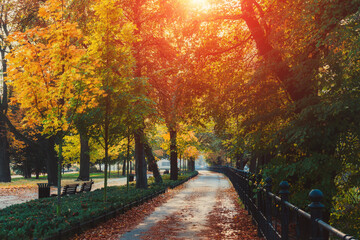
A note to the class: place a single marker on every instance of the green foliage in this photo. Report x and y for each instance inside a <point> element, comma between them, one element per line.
<point>346,212</point>
<point>38,219</point>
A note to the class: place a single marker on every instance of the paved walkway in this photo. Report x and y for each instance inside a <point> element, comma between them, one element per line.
<point>205,209</point>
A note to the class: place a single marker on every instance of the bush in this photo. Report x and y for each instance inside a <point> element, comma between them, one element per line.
<point>346,212</point>
<point>38,219</point>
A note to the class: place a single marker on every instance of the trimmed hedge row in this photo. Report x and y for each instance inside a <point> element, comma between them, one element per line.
<point>37,219</point>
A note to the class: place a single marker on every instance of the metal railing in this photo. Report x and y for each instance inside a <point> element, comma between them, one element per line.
<point>276,218</point>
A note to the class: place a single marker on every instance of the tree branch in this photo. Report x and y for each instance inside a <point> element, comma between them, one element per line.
<point>17,134</point>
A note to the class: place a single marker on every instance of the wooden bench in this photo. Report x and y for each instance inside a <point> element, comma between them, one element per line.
<point>86,186</point>
<point>68,190</point>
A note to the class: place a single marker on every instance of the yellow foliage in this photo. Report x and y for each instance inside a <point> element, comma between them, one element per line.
<point>45,70</point>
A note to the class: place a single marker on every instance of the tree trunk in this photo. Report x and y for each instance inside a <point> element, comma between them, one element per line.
<point>109,170</point>
<point>127,161</point>
<point>58,208</point>
<point>51,160</point>
<point>124,167</point>
<point>84,174</point>
<point>44,148</point>
<point>27,169</point>
<point>280,68</point>
<point>140,163</point>
<point>192,164</point>
<point>152,162</point>
<point>253,163</point>
<point>173,155</point>
<point>5,175</point>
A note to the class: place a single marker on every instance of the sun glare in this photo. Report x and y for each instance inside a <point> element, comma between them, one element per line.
<point>201,4</point>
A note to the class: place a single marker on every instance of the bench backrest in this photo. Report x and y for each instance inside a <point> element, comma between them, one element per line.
<point>86,186</point>
<point>70,189</point>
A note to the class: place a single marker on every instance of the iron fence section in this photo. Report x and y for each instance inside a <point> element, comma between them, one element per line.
<point>276,218</point>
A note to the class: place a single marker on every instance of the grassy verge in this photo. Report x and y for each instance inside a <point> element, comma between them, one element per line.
<point>38,219</point>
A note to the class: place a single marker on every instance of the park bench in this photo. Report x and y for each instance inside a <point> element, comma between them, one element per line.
<point>68,190</point>
<point>86,186</point>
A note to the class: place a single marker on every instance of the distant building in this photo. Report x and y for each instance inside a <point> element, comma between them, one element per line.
<point>163,164</point>
<point>200,163</point>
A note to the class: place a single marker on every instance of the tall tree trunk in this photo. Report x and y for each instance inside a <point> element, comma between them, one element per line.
<point>27,169</point>
<point>44,148</point>
<point>124,167</point>
<point>5,175</point>
<point>295,90</point>
<point>109,170</point>
<point>58,207</point>
<point>253,163</point>
<point>4,155</point>
<point>128,162</point>
<point>192,164</point>
<point>173,154</point>
<point>51,160</point>
<point>152,162</point>
<point>140,163</point>
<point>106,142</point>
<point>84,174</point>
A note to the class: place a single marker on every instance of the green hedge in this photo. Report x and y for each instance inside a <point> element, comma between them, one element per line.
<point>38,219</point>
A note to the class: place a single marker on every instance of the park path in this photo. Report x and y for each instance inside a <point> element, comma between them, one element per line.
<point>206,208</point>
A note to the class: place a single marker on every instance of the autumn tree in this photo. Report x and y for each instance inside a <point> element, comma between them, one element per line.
<point>46,74</point>
<point>15,15</point>
<point>150,19</point>
<point>109,47</point>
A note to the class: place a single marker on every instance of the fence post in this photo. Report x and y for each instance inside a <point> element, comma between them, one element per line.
<point>248,192</point>
<point>316,208</point>
<point>259,195</point>
<point>268,203</point>
<point>244,187</point>
<point>284,193</point>
<point>259,204</point>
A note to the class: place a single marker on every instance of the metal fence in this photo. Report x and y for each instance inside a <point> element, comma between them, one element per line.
<point>276,218</point>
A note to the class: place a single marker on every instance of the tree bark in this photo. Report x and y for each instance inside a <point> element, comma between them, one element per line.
<point>280,68</point>
<point>140,163</point>
<point>84,174</point>
<point>192,164</point>
<point>152,162</point>
<point>173,155</point>
<point>51,160</point>
<point>44,148</point>
<point>124,167</point>
<point>5,175</point>
<point>253,163</point>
